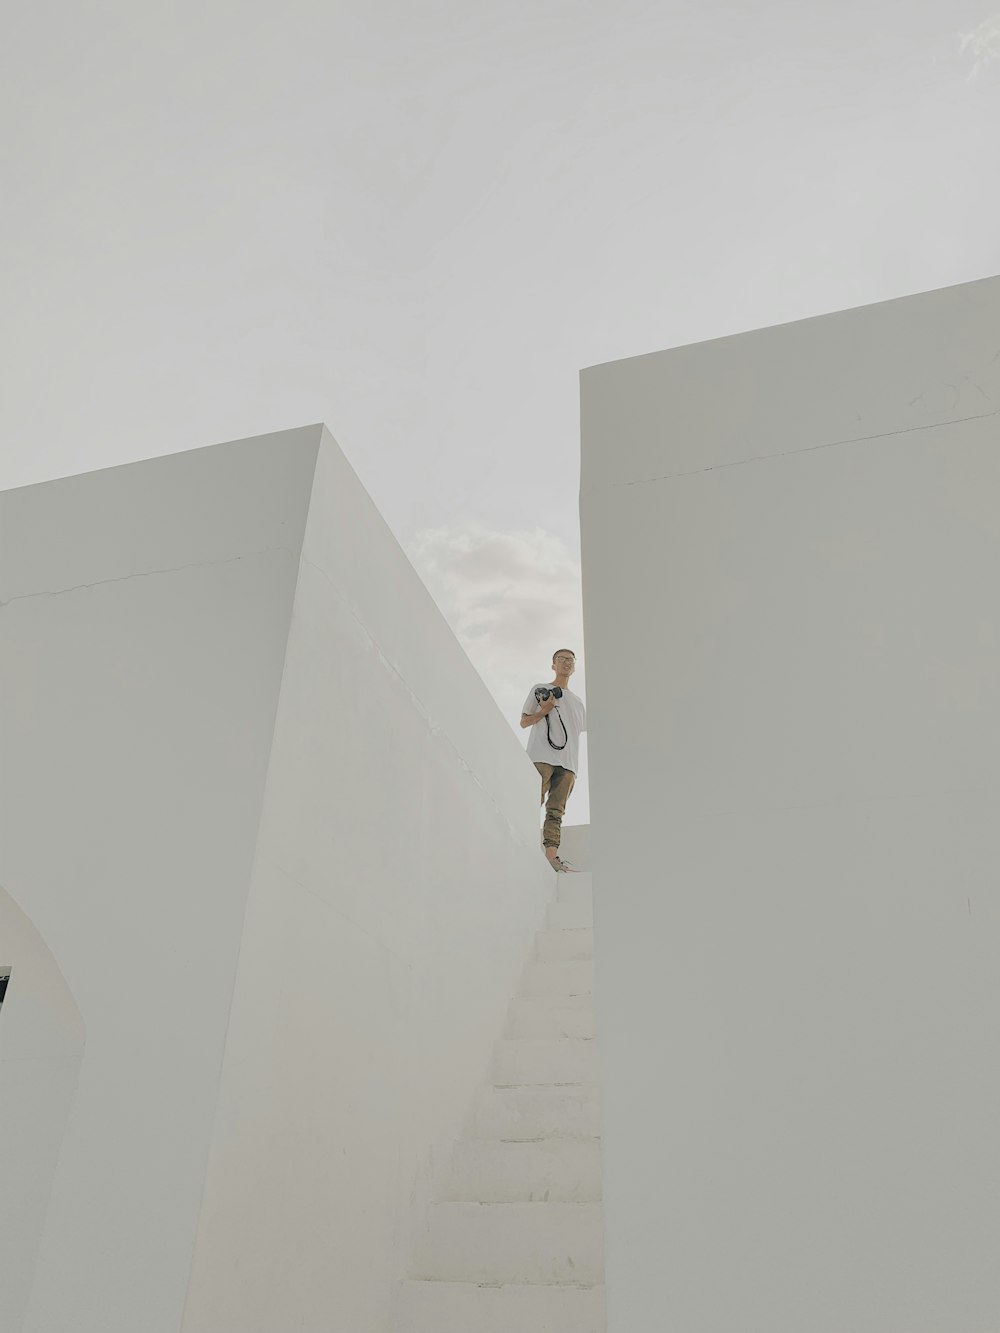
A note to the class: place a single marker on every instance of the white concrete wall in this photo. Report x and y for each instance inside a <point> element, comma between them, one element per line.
<point>396,889</point>
<point>41,1045</point>
<point>790,547</point>
<point>144,618</point>
<point>269,843</point>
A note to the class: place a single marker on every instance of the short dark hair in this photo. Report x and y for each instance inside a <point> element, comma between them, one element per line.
<point>564,650</point>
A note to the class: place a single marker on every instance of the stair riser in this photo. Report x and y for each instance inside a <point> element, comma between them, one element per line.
<point>575,889</point>
<point>521,1114</point>
<point>541,1019</point>
<point>556,1170</point>
<point>569,978</point>
<point>560,1061</point>
<point>454,1307</point>
<point>569,916</point>
<point>522,1243</point>
<point>554,946</point>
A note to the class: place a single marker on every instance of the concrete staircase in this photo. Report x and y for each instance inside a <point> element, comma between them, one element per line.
<point>515,1243</point>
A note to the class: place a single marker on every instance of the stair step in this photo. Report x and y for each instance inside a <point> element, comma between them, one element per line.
<point>575,889</point>
<point>467,1307</point>
<point>552,1016</point>
<point>512,1242</point>
<point>562,977</point>
<point>537,1112</point>
<point>560,945</point>
<point>551,1060</point>
<point>489,1171</point>
<point>569,916</point>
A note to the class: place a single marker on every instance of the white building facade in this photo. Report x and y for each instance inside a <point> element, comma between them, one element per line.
<point>270,871</point>
<point>299,1031</point>
<point>791,544</point>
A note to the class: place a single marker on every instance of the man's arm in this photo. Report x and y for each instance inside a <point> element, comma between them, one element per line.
<point>529,719</point>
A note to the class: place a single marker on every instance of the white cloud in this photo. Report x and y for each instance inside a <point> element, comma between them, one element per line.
<point>512,598</point>
<point>983,43</point>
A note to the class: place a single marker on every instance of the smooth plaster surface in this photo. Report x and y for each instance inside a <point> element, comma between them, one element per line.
<point>395,894</point>
<point>790,542</point>
<point>42,1039</point>
<point>142,639</point>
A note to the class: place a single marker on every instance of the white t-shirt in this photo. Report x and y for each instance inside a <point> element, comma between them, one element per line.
<point>569,710</point>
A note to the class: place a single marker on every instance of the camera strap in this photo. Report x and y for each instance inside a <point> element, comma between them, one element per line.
<point>548,731</point>
<point>548,726</point>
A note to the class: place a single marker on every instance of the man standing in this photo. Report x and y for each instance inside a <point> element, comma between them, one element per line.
<point>556,717</point>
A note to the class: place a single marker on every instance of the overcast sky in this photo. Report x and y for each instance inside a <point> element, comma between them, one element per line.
<point>416,221</point>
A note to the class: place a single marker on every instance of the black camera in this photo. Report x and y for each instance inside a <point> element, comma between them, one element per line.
<point>541,694</point>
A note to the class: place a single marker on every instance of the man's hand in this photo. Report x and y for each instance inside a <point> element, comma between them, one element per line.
<point>546,706</point>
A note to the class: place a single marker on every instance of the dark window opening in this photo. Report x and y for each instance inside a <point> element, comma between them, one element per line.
<point>4,978</point>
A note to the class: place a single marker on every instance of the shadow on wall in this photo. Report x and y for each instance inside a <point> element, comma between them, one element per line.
<point>42,1037</point>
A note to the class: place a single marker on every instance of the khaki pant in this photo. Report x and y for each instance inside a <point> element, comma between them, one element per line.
<point>557,783</point>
